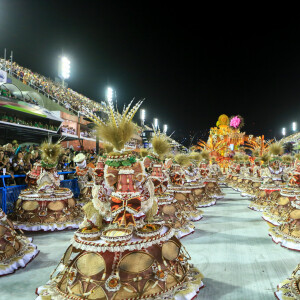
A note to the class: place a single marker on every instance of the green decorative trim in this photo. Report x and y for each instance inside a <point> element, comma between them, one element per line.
<point>48,166</point>
<point>24,110</point>
<point>121,163</point>
<point>275,158</point>
<point>154,158</point>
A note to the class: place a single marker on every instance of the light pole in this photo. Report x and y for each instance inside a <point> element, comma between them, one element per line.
<point>155,124</point>
<point>283,131</point>
<point>143,117</point>
<point>64,69</point>
<point>294,126</point>
<point>165,128</point>
<point>109,94</point>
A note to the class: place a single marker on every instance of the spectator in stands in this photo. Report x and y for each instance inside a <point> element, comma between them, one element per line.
<point>9,151</point>
<point>4,117</point>
<point>63,164</point>
<point>93,160</point>
<point>5,169</point>
<point>35,157</point>
<point>19,167</point>
<point>15,145</point>
<point>26,156</point>
<point>27,162</point>
<point>17,120</point>
<point>1,154</point>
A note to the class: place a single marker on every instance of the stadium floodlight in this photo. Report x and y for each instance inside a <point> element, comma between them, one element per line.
<point>283,131</point>
<point>155,123</point>
<point>65,67</point>
<point>294,126</point>
<point>109,94</point>
<point>165,128</point>
<point>143,116</point>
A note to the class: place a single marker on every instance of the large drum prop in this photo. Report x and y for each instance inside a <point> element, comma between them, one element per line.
<point>143,267</point>
<point>54,210</point>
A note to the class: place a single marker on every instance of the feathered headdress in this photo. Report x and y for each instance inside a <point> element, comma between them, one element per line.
<point>143,152</point>
<point>195,156</point>
<point>275,150</point>
<point>205,155</point>
<point>170,155</point>
<point>160,144</point>
<point>237,158</point>
<point>50,154</point>
<point>287,159</point>
<point>118,128</point>
<point>108,147</point>
<point>182,159</point>
<point>255,152</point>
<point>265,158</point>
<point>245,158</point>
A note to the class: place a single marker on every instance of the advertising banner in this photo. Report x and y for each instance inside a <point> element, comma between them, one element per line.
<point>3,76</point>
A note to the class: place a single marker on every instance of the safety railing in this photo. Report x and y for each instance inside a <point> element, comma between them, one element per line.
<point>9,193</point>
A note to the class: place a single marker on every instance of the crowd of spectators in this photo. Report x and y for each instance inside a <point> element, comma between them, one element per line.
<point>88,134</point>
<point>33,123</point>
<point>64,96</point>
<point>68,129</point>
<point>17,160</point>
<point>6,93</point>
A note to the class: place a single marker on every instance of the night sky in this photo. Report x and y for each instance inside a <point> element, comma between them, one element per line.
<point>190,63</point>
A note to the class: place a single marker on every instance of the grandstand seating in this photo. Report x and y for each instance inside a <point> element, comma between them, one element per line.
<point>65,97</point>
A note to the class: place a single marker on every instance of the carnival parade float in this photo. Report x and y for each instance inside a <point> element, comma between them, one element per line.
<point>224,138</point>
<point>16,250</point>
<point>44,205</point>
<point>127,257</point>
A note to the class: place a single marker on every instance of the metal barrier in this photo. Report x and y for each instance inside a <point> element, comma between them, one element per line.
<point>2,195</point>
<point>9,194</point>
<point>71,184</point>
